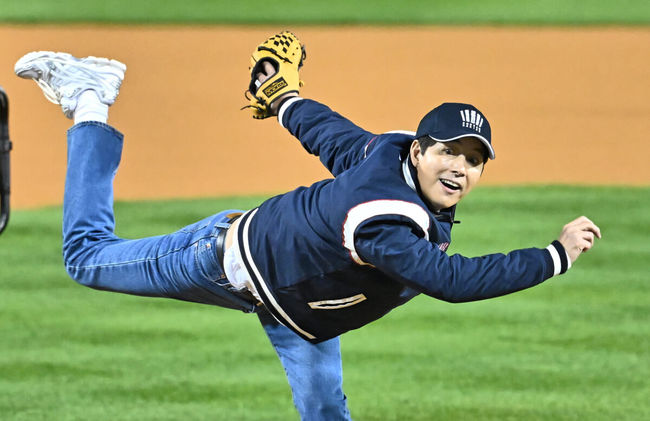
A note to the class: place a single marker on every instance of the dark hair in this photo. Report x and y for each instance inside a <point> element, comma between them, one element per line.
<point>426,141</point>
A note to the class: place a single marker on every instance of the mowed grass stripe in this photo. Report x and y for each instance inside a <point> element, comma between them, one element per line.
<point>553,12</point>
<point>573,348</point>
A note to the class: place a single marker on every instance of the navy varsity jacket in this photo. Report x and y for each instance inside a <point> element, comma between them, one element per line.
<point>345,251</point>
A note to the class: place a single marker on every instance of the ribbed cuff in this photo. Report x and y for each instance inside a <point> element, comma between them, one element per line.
<point>561,260</point>
<point>284,106</point>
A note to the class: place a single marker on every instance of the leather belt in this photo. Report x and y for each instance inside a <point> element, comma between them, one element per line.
<point>220,245</point>
<point>221,239</point>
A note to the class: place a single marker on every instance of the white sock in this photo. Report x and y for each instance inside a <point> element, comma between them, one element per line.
<point>90,108</point>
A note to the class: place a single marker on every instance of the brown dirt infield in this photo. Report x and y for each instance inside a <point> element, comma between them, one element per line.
<point>566,105</point>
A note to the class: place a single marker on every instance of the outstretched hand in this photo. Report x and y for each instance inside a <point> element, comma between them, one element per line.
<point>578,236</point>
<point>267,70</point>
<point>274,73</point>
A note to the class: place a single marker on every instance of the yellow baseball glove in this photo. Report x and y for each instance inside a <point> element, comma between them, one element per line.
<point>286,54</point>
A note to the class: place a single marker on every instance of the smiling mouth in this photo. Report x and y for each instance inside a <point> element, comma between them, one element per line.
<point>452,185</point>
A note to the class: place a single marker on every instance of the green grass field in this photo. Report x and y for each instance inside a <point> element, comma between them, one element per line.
<point>574,348</point>
<point>553,12</point>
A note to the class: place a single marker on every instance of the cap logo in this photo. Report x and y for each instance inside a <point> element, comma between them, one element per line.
<point>472,119</point>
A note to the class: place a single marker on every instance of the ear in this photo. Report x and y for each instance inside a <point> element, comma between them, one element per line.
<point>415,152</point>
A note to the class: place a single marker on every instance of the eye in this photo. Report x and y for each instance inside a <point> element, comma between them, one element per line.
<point>474,161</point>
<point>448,151</point>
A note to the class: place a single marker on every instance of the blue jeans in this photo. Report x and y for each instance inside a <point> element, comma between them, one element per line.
<point>182,265</point>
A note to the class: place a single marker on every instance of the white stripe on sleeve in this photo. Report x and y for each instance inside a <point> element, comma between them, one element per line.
<point>364,211</point>
<point>284,107</point>
<point>557,265</point>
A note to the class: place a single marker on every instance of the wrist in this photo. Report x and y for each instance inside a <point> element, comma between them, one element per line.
<point>277,104</point>
<point>560,258</point>
<point>284,106</point>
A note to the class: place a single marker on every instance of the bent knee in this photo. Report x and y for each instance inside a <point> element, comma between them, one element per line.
<point>78,259</point>
<point>78,275</point>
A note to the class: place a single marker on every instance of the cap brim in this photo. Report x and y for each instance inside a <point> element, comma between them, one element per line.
<point>479,137</point>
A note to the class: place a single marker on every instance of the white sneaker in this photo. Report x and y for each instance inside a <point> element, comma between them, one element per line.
<point>63,77</point>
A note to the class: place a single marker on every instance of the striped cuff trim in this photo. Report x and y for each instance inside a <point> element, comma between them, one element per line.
<point>561,260</point>
<point>283,107</point>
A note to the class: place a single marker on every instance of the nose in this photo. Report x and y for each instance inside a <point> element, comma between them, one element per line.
<point>457,165</point>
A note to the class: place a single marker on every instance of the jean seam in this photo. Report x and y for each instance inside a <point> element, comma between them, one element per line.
<point>99,124</point>
<point>147,259</point>
<point>198,264</point>
<point>192,231</point>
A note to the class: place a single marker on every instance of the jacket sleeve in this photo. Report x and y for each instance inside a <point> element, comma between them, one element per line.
<point>339,143</point>
<point>402,253</point>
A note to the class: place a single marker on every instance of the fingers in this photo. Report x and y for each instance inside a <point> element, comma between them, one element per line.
<point>578,236</point>
<point>267,70</point>
<point>586,242</point>
<point>584,224</point>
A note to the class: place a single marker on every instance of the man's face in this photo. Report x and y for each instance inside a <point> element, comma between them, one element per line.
<point>448,171</point>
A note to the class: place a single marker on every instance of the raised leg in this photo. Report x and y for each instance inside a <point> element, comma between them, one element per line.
<point>182,265</point>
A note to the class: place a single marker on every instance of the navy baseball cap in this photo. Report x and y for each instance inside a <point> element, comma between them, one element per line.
<point>452,121</point>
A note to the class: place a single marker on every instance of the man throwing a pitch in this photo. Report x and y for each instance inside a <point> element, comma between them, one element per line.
<point>315,262</point>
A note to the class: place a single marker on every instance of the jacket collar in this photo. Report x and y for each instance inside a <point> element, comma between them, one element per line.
<point>410,175</point>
